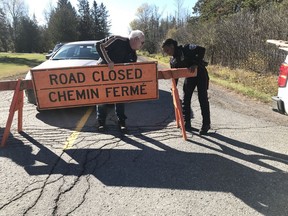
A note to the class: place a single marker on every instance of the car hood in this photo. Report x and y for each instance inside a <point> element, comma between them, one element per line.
<point>65,63</point>
<point>62,64</point>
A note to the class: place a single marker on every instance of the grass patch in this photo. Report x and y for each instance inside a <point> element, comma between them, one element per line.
<point>254,85</point>
<point>161,58</point>
<point>12,64</point>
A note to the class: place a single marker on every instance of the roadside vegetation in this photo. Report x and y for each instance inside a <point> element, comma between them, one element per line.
<point>254,85</point>
<point>17,64</point>
<point>249,83</point>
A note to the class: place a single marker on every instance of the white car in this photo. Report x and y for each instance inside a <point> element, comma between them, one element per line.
<point>80,53</point>
<point>280,102</point>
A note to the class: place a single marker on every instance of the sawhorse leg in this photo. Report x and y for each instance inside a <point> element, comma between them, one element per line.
<point>16,104</point>
<point>178,109</point>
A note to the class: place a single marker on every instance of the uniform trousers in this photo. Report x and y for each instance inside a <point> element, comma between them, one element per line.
<point>201,81</point>
<point>102,111</point>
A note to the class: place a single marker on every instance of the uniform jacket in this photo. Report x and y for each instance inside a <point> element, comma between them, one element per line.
<point>191,55</point>
<point>188,55</point>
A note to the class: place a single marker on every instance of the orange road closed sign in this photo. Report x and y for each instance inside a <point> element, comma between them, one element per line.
<point>90,85</point>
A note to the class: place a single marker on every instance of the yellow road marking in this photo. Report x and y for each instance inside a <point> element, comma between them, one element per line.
<point>71,139</point>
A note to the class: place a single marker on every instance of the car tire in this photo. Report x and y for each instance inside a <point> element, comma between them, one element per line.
<point>30,96</point>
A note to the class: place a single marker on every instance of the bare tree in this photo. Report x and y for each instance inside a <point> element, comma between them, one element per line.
<point>179,11</point>
<point>4,32</point>
<point>48,11</point>
<point>15,9</point>
<point>148,20</point>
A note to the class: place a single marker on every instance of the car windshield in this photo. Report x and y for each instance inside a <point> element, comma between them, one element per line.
<point>77,51</point>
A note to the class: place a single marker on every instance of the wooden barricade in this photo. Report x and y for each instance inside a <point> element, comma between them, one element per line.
<point>174,74</point>
<point>16,104</point>
<point>19,85</point>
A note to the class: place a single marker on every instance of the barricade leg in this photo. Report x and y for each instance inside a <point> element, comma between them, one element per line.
<point>20,110</point>
<point>16,104</point>
<point>178,109</point>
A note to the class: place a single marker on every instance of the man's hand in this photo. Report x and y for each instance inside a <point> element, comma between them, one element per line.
<point>193,68</point>
<point>111,65</point>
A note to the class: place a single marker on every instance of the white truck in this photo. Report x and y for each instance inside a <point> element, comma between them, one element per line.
<point>280,102</point>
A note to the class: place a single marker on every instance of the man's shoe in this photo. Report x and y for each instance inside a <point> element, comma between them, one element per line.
<point>122,126</point>
<point>101,126</point>
<point>204,129</point>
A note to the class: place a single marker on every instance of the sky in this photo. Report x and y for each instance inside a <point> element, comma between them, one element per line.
<point>121,12</point>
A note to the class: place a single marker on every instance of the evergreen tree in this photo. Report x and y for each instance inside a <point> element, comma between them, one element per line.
<point>63,23</point>
<point>27,36</point>
<point>95,14</point>
<point>104,23</point>
<point>85,20</point>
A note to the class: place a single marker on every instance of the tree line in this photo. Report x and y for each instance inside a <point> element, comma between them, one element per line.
<point>20,33</point>
<point>234,32</point>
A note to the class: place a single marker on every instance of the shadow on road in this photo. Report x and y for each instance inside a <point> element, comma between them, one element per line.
<point>165,167</point>
<point>146,167</point>
<point>150,114</point>
<point>16,150</point>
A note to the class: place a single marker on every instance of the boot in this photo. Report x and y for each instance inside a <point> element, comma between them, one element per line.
<point>204,129</point>
<point>101,126</point>
<point>122,126</point>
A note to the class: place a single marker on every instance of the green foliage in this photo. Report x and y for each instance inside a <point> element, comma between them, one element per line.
<point>27,36</point>
<point>104,24</point>
<point>4,32</point>
<point>19,32</point>
<point>63,22</point>
<point>100,23</point>
<point>85,20</point>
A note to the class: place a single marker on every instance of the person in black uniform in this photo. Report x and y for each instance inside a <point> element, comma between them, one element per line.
<point>191,56</point>
<point>117,49</point>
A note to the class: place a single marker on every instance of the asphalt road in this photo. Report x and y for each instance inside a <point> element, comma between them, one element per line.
<point>54,168</point>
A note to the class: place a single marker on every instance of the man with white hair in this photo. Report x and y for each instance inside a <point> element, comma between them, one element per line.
<point>117,49</point>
